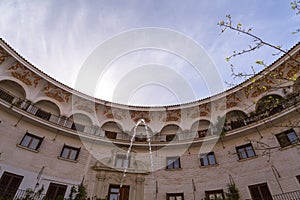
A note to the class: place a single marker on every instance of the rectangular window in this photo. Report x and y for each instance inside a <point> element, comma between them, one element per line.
<point>175,196</point>
<point>69,152</point>
<point>173,163</point>
<point>208,159</point>
<point>122,162</point>
<point>214,194</point>
<point>31,141</point>
<point>260,192</point>
<point>56,191</point>
<point>9,184</point>
<point>287,138</point>
<point>245,151</point>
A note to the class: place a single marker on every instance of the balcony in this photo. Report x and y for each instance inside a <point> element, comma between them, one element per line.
<point>62,121</point>
<point>295,195</point>
<point>21,194</point>
<point>255,117</point>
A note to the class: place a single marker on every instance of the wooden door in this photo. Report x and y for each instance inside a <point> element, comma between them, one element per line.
<point>115,193</point>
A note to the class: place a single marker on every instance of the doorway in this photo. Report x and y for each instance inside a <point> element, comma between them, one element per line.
<point>114,191</point>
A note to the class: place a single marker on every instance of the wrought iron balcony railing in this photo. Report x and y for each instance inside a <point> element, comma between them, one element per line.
<point>62,121</point>
<point>21,195</point>
<point>295,195</point>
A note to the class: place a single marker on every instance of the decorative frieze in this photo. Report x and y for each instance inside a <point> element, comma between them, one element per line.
<point>137,115</point>
<point>3,55</point>
<point>20,72</point>
<point>173,115</point>
<point>84,105</point>
<point>56,93</point>
<point>232,100</point>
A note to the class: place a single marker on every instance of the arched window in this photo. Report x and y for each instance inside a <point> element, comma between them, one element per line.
<point>170,131</point>
<point>201,127</point>
<point>297,86</point>
<point>12,92</point>
<point>13,88</point>
<point>270,103</point>
<point>111,129</point>
<point>141,134</point>
<point>80,121</point>
<point>235,119</point>
<point>46,108</point>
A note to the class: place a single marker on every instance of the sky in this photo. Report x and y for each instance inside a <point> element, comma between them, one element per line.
<point>61,37</point>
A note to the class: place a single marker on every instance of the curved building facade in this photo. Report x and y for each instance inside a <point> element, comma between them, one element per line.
<point>53,137</point>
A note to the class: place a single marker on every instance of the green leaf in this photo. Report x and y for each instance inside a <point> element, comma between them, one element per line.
<point>295,77</point>
<point>260,62</point>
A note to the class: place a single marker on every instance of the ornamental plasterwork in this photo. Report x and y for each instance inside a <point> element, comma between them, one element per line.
<point>172,115</point>
<point>137,115</point>
<point>84,105</point>
<point>107,112</point>
<point>3,55</point>
<point>297,56</point>
<point>20,72</point>
<point>259,86</point>
<point>204,110</point>
<point>112,113</point>
<point>232,100</point>
<point>56,93</point>
<point>256,90</point>
<point>287,71</point>
<point>220,104</point>
<point>293,71</point>
<point>199,111</point>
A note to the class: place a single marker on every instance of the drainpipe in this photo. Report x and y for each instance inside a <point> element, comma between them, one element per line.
<point>39,177</point>
<point>277,176</point>
<point>194,189</point>
<point>156,190</point>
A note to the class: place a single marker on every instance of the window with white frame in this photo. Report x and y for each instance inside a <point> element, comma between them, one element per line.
<point>122,161</point>
<point>287,138</point>
<point>173,163</point>
<point>31,141</point>
<point>208,159</point>
<point>245,151</point>
<point>70,153</point>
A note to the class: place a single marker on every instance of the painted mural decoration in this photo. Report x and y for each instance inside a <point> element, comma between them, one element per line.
<point>204,109</point>
<point>232,100</point>
<point>20,72</point>
<point>3,55</point>
<point>56,93</point>
<point>137,115</point>
<point>114,113</point>
<point>173,115</point>
<point>84,105</point>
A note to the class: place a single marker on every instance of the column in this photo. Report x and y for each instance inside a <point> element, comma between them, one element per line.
<point>139,195</point>
<point>100,185</point>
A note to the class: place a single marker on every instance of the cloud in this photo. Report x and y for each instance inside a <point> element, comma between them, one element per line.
<point>58,36</point>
